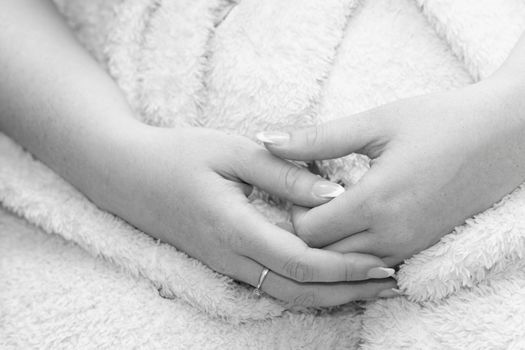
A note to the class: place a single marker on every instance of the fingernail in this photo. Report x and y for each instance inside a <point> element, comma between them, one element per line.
<point>327,189</point>
<point>273,137</point>
<point>389,293</point>
<point>380,272</point>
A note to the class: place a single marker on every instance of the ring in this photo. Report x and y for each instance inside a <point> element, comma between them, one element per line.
<point>257,290</point>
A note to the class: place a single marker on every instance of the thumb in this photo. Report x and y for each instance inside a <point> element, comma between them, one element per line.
<point>362,133</point>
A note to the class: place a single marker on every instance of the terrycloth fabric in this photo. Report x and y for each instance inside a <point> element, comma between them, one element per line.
<point>247,66</point>
<point>54,295</point>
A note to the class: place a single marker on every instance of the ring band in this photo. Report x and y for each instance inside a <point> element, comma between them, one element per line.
<point>257,290</point>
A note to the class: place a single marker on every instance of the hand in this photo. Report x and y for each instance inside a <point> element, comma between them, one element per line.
<point>182,186</point>
<point>188,187</point>
<point>436,160</point>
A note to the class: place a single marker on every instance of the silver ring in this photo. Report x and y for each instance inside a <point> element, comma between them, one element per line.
<point>257,290</point>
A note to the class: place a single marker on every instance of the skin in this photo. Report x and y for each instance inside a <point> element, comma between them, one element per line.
<point>185,186</point>
<point>436,160</point>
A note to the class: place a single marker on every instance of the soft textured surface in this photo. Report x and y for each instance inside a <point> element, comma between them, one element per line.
<point>245,66</point>
<point>54,295</point>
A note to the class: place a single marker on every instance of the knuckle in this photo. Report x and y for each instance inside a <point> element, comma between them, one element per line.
<point>290,176</point>
<point>312,136</point>
<point>306,298</point>
<point>299,270</point>
<point>349,272</point>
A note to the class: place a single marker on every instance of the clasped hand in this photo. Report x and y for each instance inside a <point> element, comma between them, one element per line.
<point>189,187</point>
<point>435,161</point>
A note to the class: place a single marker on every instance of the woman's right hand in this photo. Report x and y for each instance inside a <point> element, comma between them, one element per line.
<point>182,186</point>
<point>188,187</point>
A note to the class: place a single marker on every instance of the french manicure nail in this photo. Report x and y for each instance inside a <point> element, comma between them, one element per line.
<point>327,189</point>
<point>273,137</point>
<point>380,272</point>
<point>389,293</point>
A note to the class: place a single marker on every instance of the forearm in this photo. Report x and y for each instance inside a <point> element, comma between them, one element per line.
<point>54,99</point>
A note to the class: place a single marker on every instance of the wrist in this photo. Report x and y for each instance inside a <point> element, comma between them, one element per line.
<point>109,160</point>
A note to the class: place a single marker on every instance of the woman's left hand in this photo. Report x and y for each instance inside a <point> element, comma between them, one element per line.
<point>436,160</point>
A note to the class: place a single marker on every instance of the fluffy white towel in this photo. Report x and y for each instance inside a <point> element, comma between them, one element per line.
<point>250,66</point>
<point>55,295</point>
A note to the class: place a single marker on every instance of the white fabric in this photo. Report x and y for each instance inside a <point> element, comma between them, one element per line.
<point>245,67</point>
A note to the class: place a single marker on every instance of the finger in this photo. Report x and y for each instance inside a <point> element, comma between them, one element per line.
<point>311,294</point>
<point>287,255</point>
<point>350,213</point>
<point>363,242</point>
<point>367,243</point>
<point>364,133</point>
<point>284,179</point>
